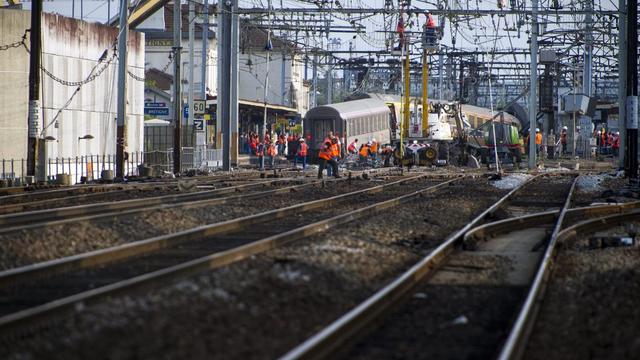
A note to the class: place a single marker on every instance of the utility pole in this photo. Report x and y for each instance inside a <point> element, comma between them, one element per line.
<point>440,75</point>
<point>425,93</point>
<point>622,80</point>
<point>314,86</point>
<point>190,94</point>
<point>205,52</point>
<point>34,88</point>
<point>233,121</point>
<point>533,76</point>
<point>122,88</point>
<point>227,89</point>
<point>203,73</point>
<point>283,70</point>
<point>330,81</point>
<point>177,87</point>
<point>632,89</point>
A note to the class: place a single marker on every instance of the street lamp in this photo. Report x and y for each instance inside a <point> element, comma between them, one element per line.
<point>86,137</point>
<point>47,139</point>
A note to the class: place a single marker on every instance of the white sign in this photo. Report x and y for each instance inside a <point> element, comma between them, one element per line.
<point>198,107</point>
<point>198,124</point>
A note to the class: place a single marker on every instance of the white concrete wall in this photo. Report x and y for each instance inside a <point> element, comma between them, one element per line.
<point>14,85</point>
<point>70,50</point>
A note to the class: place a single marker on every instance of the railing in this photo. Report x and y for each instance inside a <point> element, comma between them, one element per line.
<point>90,167</point>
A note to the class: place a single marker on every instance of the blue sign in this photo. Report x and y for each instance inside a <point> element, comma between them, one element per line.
<point>155,104</point>
<point>185,112</point>
<point>159,111</point>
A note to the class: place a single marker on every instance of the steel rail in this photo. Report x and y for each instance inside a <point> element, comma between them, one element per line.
<point>599,224</point>
<point>516,342</point>
<point>77,188</point>
<point>15,208</point>
<point>489,230</point>
<point>37,218</point>
<point>103,188</point>
<point>10,222</point>
<point>142,246</point>
<point>12,322</point>
<point>323,343</point>
<point>119,211</point>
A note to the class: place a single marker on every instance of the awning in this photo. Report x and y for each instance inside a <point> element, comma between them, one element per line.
<point>258,105</point>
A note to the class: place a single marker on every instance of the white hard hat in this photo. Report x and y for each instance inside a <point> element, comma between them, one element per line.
<point>537,130</point>
<point>301,139</point>
<point>564,128</point>
<point>617,132</point>
<point>415,141</point>
<point>373,140</point>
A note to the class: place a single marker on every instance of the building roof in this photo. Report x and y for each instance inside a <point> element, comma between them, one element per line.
<point>255,38</point>
<point>167,33</point>
<point>162,80</point>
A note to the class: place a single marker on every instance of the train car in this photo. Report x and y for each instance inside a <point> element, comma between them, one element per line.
<point>363,119</point>
<point>478,116</point>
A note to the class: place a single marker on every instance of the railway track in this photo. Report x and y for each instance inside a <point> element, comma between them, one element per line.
<point>47,217</point>
<point>587,305</point>
<point>438,319</point>
<point>24,195</point>
<point>33,293</point>
<point>129,192</point>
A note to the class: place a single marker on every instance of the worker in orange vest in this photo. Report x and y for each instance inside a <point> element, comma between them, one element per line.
<point>325,156</point>
<point>353,147</point>
<point>335,151</point>
<point>271,152</point>
<point>538,141</point>
<point>374,149</point>
<point>301,154</point>
<point>364,152</point>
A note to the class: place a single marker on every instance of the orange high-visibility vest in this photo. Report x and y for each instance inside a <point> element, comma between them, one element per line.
<point>335,150</point>
<point>364,150</point>
<point>302,150</point>
<point>326,152</point>
<point>538,139</point>
<point>374,147</point>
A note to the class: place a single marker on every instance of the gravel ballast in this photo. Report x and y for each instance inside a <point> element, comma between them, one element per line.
<point>29,246</point>
<point>260,308</point>
<point>590,309</point>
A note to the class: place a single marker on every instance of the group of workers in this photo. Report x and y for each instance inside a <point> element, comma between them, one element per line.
<point>608,142</point>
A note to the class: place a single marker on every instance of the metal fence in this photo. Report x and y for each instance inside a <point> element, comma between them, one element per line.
<point>91,166</point>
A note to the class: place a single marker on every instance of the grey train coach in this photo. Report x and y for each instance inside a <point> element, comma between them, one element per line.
<point>364,120</point>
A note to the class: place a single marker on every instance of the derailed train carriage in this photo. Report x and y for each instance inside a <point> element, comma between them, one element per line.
<point>363,119</point>
<point>379,118</point>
